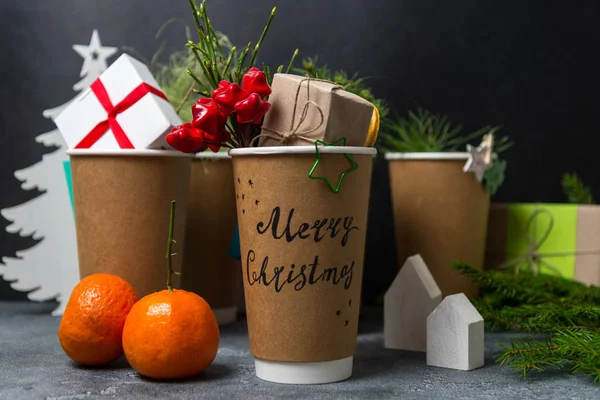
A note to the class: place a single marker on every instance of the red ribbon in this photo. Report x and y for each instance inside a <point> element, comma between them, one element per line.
<point>111,121</point>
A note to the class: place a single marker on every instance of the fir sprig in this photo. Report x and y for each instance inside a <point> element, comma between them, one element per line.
<point>216,63</point>
<point>574,349</point>
<point>351,83</point>
<point>172,76</point>
<point>423,131</point>
<point>561,317</point>
<point>540,317</point>
<point>527,288</point>
<point>575,190</point>
<point>494,176</point>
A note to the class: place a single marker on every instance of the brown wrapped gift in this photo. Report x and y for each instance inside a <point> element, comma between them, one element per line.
<point>304,110</point>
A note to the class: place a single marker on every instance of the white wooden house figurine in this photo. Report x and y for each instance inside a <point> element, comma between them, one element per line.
<point>455,335</point>
<point>408,302</point>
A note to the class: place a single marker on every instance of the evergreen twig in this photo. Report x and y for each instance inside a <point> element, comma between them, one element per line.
<point>575,190</point>
<point>561,317</point>
<point>353,84</point>
<point>422,131</point>
<point>262,37</point>
<point>291,63</point>
<point>208,61</point>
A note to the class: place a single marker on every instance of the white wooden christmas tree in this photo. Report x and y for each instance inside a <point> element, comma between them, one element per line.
<point>413,295</point>
<point>455,335</point>
<point>49,269</point>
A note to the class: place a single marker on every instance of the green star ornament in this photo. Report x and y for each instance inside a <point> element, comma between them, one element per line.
<point>353,163</point>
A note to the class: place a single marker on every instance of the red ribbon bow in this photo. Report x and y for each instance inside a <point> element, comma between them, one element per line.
<point>113,110</point>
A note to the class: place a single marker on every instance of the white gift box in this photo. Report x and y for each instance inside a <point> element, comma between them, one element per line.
<point>123,109</point>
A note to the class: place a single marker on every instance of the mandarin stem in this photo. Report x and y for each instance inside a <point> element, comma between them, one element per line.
<point>168,256</point>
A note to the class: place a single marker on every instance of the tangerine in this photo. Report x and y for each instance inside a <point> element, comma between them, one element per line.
<point>92,325</point>
<point>171,334</point>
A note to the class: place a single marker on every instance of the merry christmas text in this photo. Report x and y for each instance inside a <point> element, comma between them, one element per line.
<point>318,229</point>
<point>298,275</point>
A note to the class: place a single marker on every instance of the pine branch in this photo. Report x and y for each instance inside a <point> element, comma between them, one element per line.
<point>353,84</point>
<point>526,288</point>
<point>204,64</point>
<point>262,37</point>
<point>576,350</point>
<point>575,190</point>
<point>564,313</point>
<point>503,284</point>
<point>423,131</point>
<point>540,318</point>
<point>494,176</point>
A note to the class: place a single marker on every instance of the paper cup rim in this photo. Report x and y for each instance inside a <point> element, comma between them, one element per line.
<point>304,373</point>
<point>127,152</point>
<point>209,155</point>
<point>442,156</point>
<point>354,150</point>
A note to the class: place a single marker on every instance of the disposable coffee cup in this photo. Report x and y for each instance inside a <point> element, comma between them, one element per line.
<point>122,200</point>
<point>302,247</point>
<point>441,213</point>
<point>208,270</point>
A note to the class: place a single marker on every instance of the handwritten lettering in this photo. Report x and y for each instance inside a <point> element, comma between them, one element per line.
<point>297,275</point>
<point>331,227</point>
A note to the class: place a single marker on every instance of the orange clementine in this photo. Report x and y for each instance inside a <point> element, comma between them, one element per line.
<point>92,325</point>
<point>171,335</point>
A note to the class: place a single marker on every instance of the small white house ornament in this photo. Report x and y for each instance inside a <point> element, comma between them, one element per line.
<point>455,335</point>
<point>413,295</point>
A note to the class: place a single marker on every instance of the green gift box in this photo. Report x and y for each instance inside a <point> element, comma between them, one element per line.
<point>557,239</point>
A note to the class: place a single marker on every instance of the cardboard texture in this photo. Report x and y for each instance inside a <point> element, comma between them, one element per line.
<point>302,253</point>
<point>240,300</point>
<point>207,268</point>
<point>146,123</point>
<point>441,213</point>
<point>122,216</point>
<point>575,228</point>
<point>587,268</point>
<point>345,114</point>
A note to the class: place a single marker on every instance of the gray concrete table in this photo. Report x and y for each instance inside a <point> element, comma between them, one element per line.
<point>33,366</point>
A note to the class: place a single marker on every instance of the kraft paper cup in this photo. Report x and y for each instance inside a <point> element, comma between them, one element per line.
<point>302,249</point>
<point>208,270</point>
<point>122,200</point>
<point>441,213</point>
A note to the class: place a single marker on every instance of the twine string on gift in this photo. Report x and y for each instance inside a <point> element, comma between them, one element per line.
<point>532,256</point>
<point>294,131</point>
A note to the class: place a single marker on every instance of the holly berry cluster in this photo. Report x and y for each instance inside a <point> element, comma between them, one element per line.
<point>210,128</point>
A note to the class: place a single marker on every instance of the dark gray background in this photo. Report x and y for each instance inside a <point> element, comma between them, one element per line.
<point>528,65</point>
